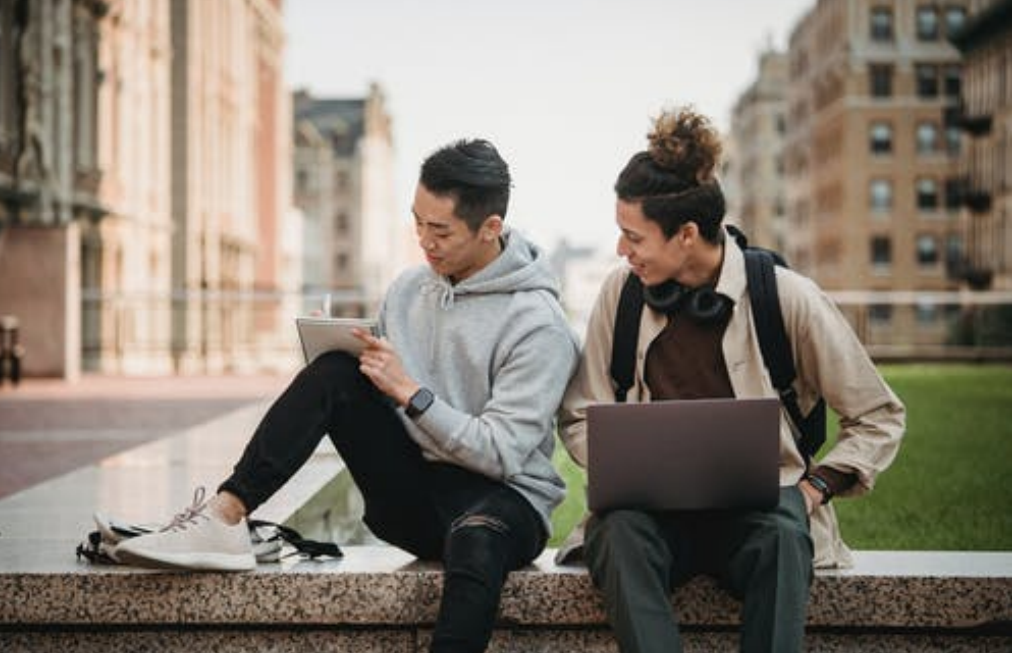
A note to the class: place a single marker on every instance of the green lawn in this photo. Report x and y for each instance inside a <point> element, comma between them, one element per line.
<point>950,486</point>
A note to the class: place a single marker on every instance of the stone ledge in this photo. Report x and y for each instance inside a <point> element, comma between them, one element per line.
<point>384,586</point>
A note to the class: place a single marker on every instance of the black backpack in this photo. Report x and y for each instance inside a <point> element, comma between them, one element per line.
<point>769,323</point>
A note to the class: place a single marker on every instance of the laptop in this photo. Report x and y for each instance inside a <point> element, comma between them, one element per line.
<point>701,454</point>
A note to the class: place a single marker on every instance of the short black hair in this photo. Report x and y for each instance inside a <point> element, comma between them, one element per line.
<point>472,173</point>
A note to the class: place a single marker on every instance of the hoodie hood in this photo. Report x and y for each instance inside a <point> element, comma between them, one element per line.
<point>521,266</point>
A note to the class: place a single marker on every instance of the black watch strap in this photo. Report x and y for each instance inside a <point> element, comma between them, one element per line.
<point>821,485</point>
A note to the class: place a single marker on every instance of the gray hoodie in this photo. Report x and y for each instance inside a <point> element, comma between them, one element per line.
<point>497,352</point>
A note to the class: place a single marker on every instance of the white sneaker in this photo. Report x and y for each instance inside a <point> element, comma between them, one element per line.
<point>195,539</point>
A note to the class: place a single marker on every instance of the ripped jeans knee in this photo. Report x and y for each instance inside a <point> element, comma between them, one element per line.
<point>478,546</point>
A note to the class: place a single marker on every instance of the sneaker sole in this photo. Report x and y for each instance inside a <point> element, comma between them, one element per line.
<point>189,561</point>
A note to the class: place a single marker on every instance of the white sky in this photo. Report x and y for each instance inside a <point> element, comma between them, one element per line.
<point>564,88</point>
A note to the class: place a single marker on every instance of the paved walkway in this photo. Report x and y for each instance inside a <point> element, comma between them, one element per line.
<point>50,427</point>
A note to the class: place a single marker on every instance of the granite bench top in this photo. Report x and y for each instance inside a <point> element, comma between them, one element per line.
<point>41,583</point>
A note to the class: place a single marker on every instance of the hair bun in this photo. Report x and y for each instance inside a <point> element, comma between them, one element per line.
<point>686,144</point>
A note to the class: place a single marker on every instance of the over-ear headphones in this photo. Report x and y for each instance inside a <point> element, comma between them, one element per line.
<point>703,305</point>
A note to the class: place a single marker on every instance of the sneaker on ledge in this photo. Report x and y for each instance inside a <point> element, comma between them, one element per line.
<point>195,539</point>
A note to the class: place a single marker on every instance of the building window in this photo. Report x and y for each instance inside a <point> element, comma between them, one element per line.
<point>953,138</point>
<point>880,314</point>
<point>953,194</point>
<point>880,80</point>
<point>881,252</point>
<point>927,251</point>
<point>927,138</point>
<point>881,24</point>
<point>927,194</point>
<point>952,81</point>
<point>881,138</point>
<point>927,23</point>
<point>927,313</point>
<point>954,250</point>
<point>955,19</point>
<point>341,223</point>
<point>881,195</point>
<point>927,80</point>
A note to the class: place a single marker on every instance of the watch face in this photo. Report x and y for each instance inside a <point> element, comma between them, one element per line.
<point>419,402</point>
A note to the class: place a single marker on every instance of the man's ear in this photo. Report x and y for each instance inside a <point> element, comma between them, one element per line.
<point>688,232</point>
<point>491,229</point>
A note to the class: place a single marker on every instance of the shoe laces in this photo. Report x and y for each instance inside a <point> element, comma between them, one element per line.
<point>191,514</point>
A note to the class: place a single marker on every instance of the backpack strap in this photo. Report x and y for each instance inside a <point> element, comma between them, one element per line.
<point>626,334</point>
<point>760,270</point>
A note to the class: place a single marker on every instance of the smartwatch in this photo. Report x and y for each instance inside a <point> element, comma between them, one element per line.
<point>821,485</point>
<point>419,403</point>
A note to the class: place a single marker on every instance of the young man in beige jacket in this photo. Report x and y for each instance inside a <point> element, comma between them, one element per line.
<point>697,339</point>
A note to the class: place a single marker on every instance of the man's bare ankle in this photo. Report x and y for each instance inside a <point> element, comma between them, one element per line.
<point>228,508</point>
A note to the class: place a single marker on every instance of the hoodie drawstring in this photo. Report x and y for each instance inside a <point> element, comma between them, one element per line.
<point>447,296</point>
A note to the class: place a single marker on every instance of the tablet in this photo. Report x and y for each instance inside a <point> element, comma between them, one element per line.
<point>319,335</point>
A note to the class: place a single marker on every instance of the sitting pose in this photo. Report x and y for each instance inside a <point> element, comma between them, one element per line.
<point>698,340</point>
<point>446,422</point>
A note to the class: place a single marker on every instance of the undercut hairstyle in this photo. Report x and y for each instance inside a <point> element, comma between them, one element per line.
<point>673,179</point>
<point>471,172</point>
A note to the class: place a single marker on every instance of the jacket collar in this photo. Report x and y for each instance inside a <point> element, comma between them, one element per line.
<point>732,282</point>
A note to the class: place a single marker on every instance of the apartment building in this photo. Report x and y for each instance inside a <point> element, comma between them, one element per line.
<point>872,194</point>
<point>755,182</point>
<point>344,184</point>
<point>985,165</point>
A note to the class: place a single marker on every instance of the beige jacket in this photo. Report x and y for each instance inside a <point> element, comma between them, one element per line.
<point>829,358</point>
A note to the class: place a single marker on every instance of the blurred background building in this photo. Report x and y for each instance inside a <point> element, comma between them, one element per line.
<point>344,184</point>
<point>985,168</point>
<point>854,155</point>
<point>49,171</point>
<point>755,182</point>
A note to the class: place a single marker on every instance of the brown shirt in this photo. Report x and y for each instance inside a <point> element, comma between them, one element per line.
<point>686,361</point>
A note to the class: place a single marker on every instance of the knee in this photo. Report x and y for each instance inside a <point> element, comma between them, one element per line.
<point>793,537</point>
<point>618,527</point>
<point>619,534</point>
<point>477,546</point>
<point>333,364</point>
<point>781,544</point>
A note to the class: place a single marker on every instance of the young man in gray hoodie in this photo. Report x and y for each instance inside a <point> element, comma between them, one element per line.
<point>446,423</point>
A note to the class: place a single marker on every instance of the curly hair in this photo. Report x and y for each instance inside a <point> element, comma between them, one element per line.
<point>673,179</point>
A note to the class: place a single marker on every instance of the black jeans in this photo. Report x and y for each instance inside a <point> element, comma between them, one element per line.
<point>479,528</point>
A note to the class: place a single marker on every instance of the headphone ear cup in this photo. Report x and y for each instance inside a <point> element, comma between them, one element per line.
<point>706,305</point>
<point>664,297</point>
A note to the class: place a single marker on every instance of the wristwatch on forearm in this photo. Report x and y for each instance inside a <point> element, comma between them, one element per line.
<point>419,403</point>
<point>821,486</point>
